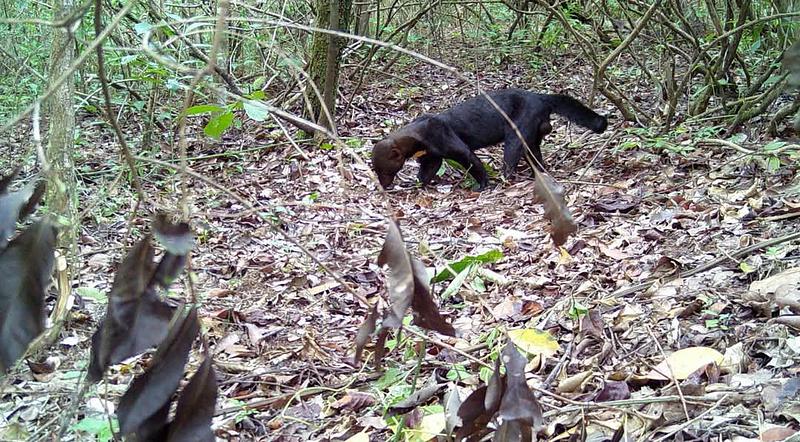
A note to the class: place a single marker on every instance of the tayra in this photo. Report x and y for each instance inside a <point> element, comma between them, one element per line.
<point>456,133</point>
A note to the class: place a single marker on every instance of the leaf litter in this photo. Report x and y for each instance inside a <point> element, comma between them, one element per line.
<point>648,215</point>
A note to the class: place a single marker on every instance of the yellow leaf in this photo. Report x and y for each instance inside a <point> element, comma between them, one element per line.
<point>534,342</point>
<point>564,257</point>
<point>685,362</point>
<point>430,426</point>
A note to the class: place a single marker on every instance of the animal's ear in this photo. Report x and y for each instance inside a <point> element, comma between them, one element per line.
<point>395,153</point>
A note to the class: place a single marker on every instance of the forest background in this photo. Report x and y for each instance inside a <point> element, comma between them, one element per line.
<point>249,124</point>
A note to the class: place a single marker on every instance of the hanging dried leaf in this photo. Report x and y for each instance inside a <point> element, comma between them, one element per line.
<point>15,206</point>
<point>515,431</point>
<point>196,407</point>
<point>518,403</point>
<point>25,268</point>
<point>408,286</point>
<point>426,312</point>
<point>176,238</point>
<point>494,389</point>
<point>5,180</point>
<point>474,416</point>
<point>380,346</point>
<point>551,194</point>
<point>365,331</point>
<point>401,279</point>
<point>149,392</point>
<point>168,269</point>
<point>136,319</point>
<point>452,401</point>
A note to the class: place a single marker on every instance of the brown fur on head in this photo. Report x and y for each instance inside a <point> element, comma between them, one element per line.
<point>387,161</point>
<point>389,154</point>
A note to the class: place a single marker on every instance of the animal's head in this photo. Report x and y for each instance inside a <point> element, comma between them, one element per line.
<point>387,160</point>
<point>389,154</point>
<point>600,124</point>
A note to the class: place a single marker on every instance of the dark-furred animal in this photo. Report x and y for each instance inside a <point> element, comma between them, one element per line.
<point>474,124</point>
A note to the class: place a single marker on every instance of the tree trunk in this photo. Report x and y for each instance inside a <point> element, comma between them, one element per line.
<point>62,190</point>
<point>325,57</point>
<point>361,14</point>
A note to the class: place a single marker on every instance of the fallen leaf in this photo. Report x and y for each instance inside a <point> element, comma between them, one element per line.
<point>776,434</point>
<point>534,342</point>
<point>771,284</point>
<point>354,401</point>
<point>359,437</point>
<point>613,391</point>
<point>685,362</point>
<point>431,426</point>
<point>573,383</point>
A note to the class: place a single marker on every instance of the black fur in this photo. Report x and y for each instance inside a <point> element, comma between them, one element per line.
<point>456,133</point>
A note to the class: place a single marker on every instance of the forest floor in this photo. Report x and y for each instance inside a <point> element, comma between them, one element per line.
<point>280,327</point>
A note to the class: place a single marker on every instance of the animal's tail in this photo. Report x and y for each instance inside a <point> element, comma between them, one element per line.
<point>577,112</point>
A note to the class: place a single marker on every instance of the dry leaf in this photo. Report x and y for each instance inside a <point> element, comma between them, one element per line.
<point>685,362</point>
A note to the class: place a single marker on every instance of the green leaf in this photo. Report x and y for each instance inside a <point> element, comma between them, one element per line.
<point>774,145</point>
<point>310,198</point>
<point>484,258</point>
<point>485,374</point>
<point>738,138</point>
<point>142,27</point>
<point>173,84</point>
<point>392,376</point>
<point>97,426</point>
<point>92,293</point>
<point>457,283</point>
<point>204,109</point>
<point>257,94</point>
<point>255,110</point>
<point>746,268</point>
<point>218,124</point>
<point>127,59</point>
<point>576,310</point>
<point>457,373</point>
<point>773,164</point>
